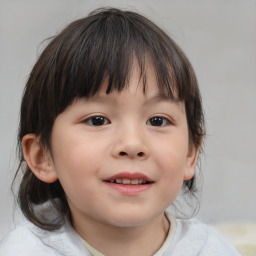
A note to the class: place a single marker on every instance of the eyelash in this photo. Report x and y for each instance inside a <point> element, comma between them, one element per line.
<point>159,121</point>
<point>99,119</point>
<point>163,121</point>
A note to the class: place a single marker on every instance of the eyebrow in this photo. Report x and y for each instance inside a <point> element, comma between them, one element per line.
<point>164,98</point>
<point>160,98</point>
<point>105,99</point>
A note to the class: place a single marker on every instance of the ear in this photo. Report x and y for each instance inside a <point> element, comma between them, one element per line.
<point>191,161</point>
<point>38,159</point>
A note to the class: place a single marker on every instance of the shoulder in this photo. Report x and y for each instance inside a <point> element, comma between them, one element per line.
<point>28,240</point>
<point>217,244</point>
<point>22,241</point>
<point>193,237</point>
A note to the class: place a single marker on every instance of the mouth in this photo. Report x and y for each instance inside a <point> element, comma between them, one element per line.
<point>126,178</point>
<point>129,183</point>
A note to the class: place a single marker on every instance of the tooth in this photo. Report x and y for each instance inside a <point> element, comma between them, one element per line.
<point>126,181</point>
<point>135,182</point>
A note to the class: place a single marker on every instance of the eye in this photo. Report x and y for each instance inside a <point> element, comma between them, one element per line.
<point>158,121</point>
<point>96,121</point>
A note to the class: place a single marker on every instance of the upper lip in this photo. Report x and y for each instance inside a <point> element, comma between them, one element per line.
<point>130,176</point>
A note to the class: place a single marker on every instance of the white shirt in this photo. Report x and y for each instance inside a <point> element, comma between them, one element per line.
<point>160,252</point>
<point>191,238</point>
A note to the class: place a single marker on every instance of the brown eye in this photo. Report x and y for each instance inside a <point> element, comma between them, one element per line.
<point>158,121</point>
<point>97,121</point>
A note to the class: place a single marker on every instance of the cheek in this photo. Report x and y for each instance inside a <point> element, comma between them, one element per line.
<point>171,156</point>
<point>75,152</point>
<point>77,163</point>
<point>171,163</point>
<point>77,175</point>
<point>172,178</point>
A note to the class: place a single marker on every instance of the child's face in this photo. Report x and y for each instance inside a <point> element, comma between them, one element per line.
<point>128,137</point>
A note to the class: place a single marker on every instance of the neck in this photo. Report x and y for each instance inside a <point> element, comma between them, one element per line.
<point>145,239</point>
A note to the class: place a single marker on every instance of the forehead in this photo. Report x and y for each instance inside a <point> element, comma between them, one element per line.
<point>142,87</point>
<point>141,83</point>
<point>142,79</point>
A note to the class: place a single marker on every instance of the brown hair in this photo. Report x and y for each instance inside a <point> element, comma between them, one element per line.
<point>100,47</point>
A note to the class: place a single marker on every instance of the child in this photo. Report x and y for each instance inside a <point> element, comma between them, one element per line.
<point>111,127</point>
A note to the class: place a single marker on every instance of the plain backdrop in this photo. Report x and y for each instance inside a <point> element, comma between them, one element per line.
<point>219,38</point>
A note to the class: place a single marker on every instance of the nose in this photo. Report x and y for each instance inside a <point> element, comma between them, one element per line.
<point>130,144</point>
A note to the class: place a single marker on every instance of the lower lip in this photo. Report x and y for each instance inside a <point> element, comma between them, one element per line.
<point>129,189</point>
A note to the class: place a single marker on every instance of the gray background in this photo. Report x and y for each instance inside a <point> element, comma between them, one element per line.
<point>219,37</point>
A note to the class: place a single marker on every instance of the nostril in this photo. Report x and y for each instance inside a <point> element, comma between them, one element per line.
<point>140,154</point>
<point>123,153</point>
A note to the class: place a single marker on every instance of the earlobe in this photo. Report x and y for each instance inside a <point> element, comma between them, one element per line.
<point>38,159</point>
<point>192,158</point>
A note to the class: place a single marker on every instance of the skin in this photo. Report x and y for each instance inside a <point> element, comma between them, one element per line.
<point>128,140</point>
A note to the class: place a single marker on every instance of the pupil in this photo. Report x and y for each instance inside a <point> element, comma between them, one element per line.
<point>157,121</point>
<point>98,120</point>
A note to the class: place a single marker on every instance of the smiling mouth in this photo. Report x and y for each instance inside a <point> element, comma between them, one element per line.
<point>129,184</point>
<point>129,181</point>
<point>126,178</point>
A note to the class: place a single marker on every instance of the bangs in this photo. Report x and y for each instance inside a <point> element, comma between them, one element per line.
<point>103,48</point>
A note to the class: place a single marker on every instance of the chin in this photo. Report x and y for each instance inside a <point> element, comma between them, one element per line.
<point>129,219</point>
